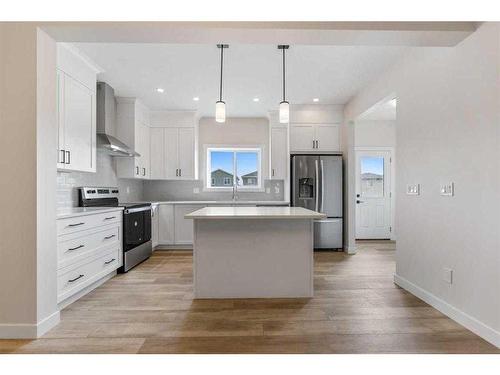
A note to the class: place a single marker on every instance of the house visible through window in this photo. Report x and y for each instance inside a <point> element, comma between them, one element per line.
<point>233,166</point>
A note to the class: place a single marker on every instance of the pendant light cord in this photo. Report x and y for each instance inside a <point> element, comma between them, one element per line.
<point>221,63</point>
<point>284,80</point>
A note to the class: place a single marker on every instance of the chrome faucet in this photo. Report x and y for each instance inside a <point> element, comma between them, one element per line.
<point>235,192</point>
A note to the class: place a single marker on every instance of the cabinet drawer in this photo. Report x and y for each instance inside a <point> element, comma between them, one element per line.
<point>76,246</point>
<point>70,280</point>
<point>79,223</point>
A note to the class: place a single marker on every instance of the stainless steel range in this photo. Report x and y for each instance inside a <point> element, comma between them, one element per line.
<point>137,244</point>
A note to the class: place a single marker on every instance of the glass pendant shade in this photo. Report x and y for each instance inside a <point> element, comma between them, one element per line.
<point>284,112</point>
<point>220,111</point>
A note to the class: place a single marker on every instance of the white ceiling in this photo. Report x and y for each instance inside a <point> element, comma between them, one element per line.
<point>331,73</point>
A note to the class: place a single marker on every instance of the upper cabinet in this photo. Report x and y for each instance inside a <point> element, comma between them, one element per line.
<point>279,153</point>
<point>76,111</point>
<point>173,153</point>
<point>314,137</point>
<point>133,129</point>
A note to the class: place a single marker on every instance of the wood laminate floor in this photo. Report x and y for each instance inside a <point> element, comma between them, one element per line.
<point>356,309</point>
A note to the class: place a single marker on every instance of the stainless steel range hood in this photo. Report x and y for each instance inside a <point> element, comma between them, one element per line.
<point>106,123</point>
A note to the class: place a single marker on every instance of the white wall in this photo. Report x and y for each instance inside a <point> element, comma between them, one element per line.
<point>375,133</point>
<point>447,129</point>
<point>27,187</point>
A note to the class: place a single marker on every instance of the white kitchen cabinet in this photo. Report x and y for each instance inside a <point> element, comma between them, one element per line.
<point>279,153</point>
<point>172,153</point>
<point>186,153</point>
<point>184,227</point>
<point>133,129</point>
<point>166,224</point>
<point>89,250</point>
<point>157,154</point>
<point>155,220</point>
<point>76,112</point>
<point>314,137</point>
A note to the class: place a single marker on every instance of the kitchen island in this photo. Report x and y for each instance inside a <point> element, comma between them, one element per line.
<point>253,252</point>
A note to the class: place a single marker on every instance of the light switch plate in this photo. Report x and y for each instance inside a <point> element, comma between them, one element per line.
<point>447,189</point>
<point>448,275</point>
<point>413,189</point>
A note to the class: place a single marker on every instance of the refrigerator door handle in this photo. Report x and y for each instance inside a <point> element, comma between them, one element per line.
<point>317,184</point>
<point>322,186</point>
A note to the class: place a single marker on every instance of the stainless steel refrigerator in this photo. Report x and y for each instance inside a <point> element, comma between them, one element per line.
<point>317,185</point>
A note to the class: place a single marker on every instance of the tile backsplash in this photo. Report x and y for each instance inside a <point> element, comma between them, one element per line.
<point>185,191</point>
<point>68,183</point>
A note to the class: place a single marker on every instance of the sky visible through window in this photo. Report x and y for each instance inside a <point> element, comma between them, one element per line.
<point>371,164</point>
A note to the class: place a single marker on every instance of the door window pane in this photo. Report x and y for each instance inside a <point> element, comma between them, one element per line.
<point>247,168</point>
<point>221,168</point>
<point>372,176</point>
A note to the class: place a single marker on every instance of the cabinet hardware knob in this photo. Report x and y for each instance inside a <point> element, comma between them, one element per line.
<point>110,261</point>
<point>75,225</point>
<point>76,248</point>
<point>76,278</point>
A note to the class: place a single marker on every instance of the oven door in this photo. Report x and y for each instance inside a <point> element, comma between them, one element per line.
<point>136,227</point>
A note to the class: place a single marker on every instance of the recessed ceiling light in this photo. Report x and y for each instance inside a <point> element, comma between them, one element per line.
<point>160,90</point>
<point>196,99</point>
<point>316,100</point>
<point>256,99</point>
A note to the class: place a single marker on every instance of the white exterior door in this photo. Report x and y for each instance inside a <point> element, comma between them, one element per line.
<point>373,194</point>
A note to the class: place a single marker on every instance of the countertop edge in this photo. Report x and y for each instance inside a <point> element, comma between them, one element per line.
<point>96,210</point>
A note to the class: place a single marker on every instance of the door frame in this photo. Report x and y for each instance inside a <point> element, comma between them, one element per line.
<point>392,184</point>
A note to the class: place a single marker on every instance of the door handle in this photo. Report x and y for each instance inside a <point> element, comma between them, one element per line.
<point>68,160</point>
<point>317,144</point>
<point>322,185</point>
<point>176,173</point>
<point>143,171</point>
<point>110,218</point>
<point>110,261</point>
<point>75,225</point>
<point>109,237</point>
<point>272,174</point>
<point>63,158</point>
<point>317,184</point>
<point>180,172</point>
<point>136,170</point>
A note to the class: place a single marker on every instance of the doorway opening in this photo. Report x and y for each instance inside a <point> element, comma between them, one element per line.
<point>375,142</point>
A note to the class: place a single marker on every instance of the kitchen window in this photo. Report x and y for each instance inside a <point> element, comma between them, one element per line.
<point>229,166</point>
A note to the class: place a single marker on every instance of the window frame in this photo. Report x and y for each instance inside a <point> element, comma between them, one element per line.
<point>259,187</point>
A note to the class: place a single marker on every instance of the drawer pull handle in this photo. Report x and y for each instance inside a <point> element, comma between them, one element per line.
<point>76,248</point>
<point>110,218</point>
<point>75,225</point>
<point>76,278</point>
<point>108,237</point>
<point>110,261</point>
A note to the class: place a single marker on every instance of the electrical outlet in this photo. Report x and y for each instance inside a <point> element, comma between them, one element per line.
<point>196,190</point>
<point>268,190</point>
<point>447,190</point>
<point>448,275</point>
<point>413,189</point>
<point>128,189</point>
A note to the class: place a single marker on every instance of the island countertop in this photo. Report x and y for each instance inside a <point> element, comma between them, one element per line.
<point>255,213</point>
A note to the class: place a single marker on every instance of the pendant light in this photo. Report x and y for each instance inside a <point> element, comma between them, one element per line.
<point>284,105</point>
<point>220,106</point>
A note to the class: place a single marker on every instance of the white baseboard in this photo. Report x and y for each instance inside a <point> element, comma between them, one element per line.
<point>469,322</point>
<point>29,331</point>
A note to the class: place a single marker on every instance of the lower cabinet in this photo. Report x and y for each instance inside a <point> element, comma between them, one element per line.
<point>155,220</point>
<point>89,248</point>
<point>173,228</point>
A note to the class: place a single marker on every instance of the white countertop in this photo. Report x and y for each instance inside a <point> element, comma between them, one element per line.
<point>255,213</point>
<point>225,203</point>
<point>81,211</point>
